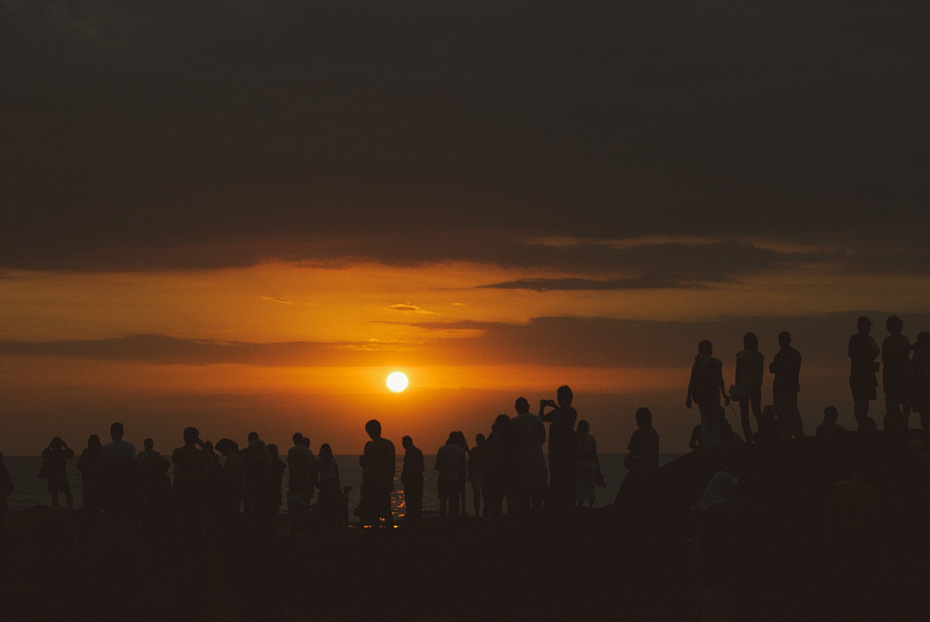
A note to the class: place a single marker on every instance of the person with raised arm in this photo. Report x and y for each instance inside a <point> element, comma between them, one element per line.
<point>562,444</point>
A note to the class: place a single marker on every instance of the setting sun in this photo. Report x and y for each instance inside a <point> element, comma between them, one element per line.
<point>397,382</point>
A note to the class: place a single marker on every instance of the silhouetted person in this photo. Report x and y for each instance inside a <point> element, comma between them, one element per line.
<point>56,455</point>
<point>476,472</point>
<point>330,502</point>
<point>278,467</point>
<point>314,469</point>
<point>561,447</point>
<point>529,434</point>
<point>862,368</point>
<point>450,462</point>
<point>300,478</point>
<point>229,488</point>
<point>377,462</point>
<point>412,477</point>
<point>587,466</point>
<point>706,384</point>
<point>643,448</point>
<point>830,429</point>
<point>190,473</point>
<point>920,370</point>
<point>89,466</point>
<point>153,473</point>
<point>895,363</point>
<point>499,466</point>
<point>257,462</point>
<point>642,461</point>
<point>462,442</point>
<point>6,488</point>
<point>119,483</point>
<point>787,368</point>
<point>748,382</point>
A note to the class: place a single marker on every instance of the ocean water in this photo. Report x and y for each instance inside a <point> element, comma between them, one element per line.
<point>29,490</point>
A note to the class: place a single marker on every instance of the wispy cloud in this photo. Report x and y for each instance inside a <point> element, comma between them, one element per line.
<point>406,307</point>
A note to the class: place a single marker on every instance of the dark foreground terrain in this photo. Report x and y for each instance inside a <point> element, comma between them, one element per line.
<point>630,561</point>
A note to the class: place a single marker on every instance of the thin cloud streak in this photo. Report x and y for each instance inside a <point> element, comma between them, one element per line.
<point>561,341</point>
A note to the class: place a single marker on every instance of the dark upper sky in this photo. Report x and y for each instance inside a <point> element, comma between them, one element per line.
<point>409,132</point>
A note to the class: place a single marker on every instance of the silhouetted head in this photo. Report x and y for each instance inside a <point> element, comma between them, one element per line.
<point>326,452</point>
<point>479,439</point>
<point>751,342</point>
<point>297,438</point>
<point>452,440</point>
<point>148,443</point>
<point>93,442</point>
<point>191,435</point>
<point>705,348</point>
<point>273,450</point>
<point>564,396</point>
<point>501,424</point>
<point>226,446</point>
<point>521,405</point>
<point>784,339</point>
<point>583,427</point>
<point>863,325</point>
<point>644,417</point>
<point>253,436</point>
<point>208,447</point>
<point>830,414</point>
<point>373,429</point>
<point>894,325</point>
<point>923,341</point>
<point>116,431</point>
<point>305,442</point>
<point>407,442</point>
<point>56,443</point>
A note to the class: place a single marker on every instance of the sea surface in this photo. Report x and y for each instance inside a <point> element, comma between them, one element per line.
<point>30,491</point>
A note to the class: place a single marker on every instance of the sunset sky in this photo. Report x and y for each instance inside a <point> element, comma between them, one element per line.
<point>243,215</point>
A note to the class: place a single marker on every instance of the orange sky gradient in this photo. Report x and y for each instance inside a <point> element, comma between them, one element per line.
<point>364,321</point>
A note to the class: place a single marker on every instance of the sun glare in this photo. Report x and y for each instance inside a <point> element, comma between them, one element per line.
<point>397,382</point>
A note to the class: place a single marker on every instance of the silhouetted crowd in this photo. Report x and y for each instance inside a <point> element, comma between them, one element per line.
<point>506,468</point>
<point>225,490</point>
